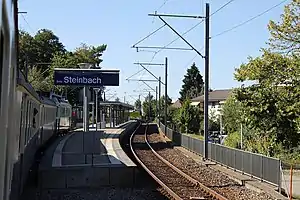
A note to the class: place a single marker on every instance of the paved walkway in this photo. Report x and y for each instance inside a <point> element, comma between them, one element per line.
<point>90,149</point>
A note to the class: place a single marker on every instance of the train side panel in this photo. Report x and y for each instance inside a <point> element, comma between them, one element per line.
<point>48,128</point>
<point>7,87</point>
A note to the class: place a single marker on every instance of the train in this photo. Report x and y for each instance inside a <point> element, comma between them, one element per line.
<point>28,119</point>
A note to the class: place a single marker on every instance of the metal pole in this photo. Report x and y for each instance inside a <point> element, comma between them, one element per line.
<point>221,128</point>
<point>156,101</point>
<point>96,91</point>
<point>159,94</point>
<point>93,115</point>
<point>100,117</point>
<point>166,92</point>
<point>149,107</point>
<point>291,182</point>
<point>110,116</point>
<point>241,136</point>
<point>206,82</point>
<point>85,110</point>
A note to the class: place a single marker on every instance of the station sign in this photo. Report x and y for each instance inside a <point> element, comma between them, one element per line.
<point>86,77</point>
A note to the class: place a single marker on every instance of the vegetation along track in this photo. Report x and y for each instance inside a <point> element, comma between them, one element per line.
<point>177,184</point>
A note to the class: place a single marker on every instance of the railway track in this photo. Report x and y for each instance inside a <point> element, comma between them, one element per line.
<point>176,183</point>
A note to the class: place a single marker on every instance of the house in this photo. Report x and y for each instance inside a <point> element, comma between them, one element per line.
<point>176,104</point>
<point>216,100</point>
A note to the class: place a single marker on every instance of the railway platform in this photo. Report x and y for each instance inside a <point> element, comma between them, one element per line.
<point>89,159</point>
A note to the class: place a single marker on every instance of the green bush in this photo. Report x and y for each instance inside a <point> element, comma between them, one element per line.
<point>189,118</point>
<point>233,140</point>
<point>135,114</point>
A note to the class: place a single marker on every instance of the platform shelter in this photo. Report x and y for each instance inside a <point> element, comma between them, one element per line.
<point>113,113</point>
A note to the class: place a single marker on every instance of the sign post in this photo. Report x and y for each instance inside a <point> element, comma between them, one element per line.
<point>84,78</point>
<point>96,91</point>
<point>85,109</point>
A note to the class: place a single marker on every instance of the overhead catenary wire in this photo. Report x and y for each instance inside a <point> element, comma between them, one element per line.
<point>193,27</point>
<point>190,62</point>
<point>27,22</point>
<point>226,4</point>
<point>135,74</point>
<point>196,25</point>
<point>152,33</point>
<point>164,3</point>
<point>247,21</point>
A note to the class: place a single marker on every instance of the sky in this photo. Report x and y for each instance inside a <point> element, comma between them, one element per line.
<point>121,24</point>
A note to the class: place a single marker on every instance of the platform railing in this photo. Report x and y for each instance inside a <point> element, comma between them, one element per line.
<point>258,166</point>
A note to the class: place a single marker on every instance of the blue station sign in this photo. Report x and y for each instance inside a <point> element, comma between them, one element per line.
<point>86,77</point>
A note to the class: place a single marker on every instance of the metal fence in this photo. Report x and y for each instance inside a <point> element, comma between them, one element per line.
<point>256,165</point>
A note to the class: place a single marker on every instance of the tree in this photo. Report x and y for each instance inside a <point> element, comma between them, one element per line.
<point>285,35</point>
<point>26,52</point>
<point>138,104</point>
<point>189,118</point>
<point>149,106</point>
<point>193,84</point>
<point>39,50</point>
<point>90,54</point>
<point>174,118</point>
<point>231,115</point>
<point>47,45</point>
<point>162,107</point>
<point>271,107</point>
<point>44,52</point>
<point>162,101</point>
<point>37,80</point>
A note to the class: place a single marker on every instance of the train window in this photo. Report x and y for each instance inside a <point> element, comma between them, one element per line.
<point>62,112</point>
<point>29,122</point>
<point>1,61</point>
<point>35,112</point>
<point>68,112</point>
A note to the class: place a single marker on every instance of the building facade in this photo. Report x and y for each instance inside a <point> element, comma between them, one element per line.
<point>216,100</point>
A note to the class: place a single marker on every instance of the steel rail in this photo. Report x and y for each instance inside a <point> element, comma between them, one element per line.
<point>194,181</point>
<point>207,191</point>
<point>169,191</point>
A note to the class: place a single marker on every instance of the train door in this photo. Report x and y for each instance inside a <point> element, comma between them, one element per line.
<point>27,129</point>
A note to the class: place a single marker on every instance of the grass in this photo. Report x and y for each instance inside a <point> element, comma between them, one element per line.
<point>197,136</point>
